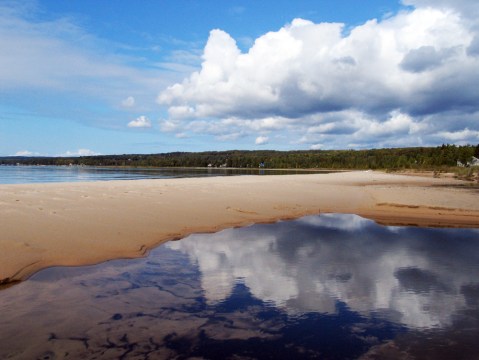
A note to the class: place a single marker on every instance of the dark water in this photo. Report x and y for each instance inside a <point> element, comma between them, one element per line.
<point>47,174</point>
<point>322,287</point>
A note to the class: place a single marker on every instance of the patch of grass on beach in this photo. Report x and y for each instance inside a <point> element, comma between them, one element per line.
<point>467,173</point>
<point>461,173</point>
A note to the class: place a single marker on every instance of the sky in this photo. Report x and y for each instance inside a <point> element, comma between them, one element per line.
<point>86,77</point>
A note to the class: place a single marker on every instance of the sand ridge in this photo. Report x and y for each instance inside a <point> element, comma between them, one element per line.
<point>84,223</point>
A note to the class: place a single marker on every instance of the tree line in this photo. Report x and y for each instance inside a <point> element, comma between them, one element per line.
<point>427,158</point>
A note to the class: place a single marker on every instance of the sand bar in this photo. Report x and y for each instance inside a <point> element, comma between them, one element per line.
<point>84,223</point>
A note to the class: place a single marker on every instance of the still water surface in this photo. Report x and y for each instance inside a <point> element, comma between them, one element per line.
<point>48,174</point>
<point>327,287</point>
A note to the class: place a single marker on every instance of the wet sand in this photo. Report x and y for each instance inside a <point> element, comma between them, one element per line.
<point>44,225</point>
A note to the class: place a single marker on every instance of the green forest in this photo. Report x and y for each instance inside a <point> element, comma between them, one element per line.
<point>421,158</point>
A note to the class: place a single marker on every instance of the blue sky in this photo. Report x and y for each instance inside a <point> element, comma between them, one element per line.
<point>113,77</point>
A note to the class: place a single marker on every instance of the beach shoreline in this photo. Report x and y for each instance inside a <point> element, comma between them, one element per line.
<point>70,224</point>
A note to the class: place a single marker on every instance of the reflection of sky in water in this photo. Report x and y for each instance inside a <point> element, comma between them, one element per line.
<point>332,286</point>
<point>413,276</point>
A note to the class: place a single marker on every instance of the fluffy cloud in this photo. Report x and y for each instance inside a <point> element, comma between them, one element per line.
<point>24,153</point>
<point>426,58</point>
<point>80,152</point>
<point>468,8</point>
<point>128,102</point>
<point>261,140</point>
<point>388,82</point>
<point>460,136</point>
<point>140,122</point>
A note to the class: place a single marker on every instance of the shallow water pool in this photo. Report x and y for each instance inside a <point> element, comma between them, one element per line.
<point>328,287</point>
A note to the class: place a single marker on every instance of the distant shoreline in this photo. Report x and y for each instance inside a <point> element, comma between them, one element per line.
<point>84,223</point>
<point>420,158</point>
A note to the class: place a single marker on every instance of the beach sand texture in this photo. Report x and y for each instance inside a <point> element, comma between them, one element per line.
<point>44,225</point>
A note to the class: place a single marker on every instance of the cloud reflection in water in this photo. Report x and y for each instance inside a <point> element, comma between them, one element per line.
<point>411,275</point>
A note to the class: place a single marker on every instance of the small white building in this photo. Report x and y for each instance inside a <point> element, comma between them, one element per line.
<point>474,162</point>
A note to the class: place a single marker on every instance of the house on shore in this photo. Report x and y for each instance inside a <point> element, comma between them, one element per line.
<point>474,162</point>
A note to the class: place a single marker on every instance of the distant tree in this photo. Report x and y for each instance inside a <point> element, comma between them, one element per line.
<point>476,151</point>
<point>465,154</point>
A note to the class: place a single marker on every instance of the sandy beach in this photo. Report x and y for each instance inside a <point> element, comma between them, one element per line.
<point>44,225</point>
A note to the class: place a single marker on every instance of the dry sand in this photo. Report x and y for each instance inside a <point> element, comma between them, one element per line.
<point>84,223</point>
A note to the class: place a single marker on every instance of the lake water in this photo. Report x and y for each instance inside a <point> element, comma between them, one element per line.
<point>325,287</point>
<point>46,174</point>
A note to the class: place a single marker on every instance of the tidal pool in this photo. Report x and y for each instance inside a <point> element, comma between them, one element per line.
<point>328,287</point>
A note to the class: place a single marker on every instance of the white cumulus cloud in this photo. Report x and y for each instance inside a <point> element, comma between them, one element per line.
<point>140,122</point>
<point>391,81</point>
<point>261,140</point>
